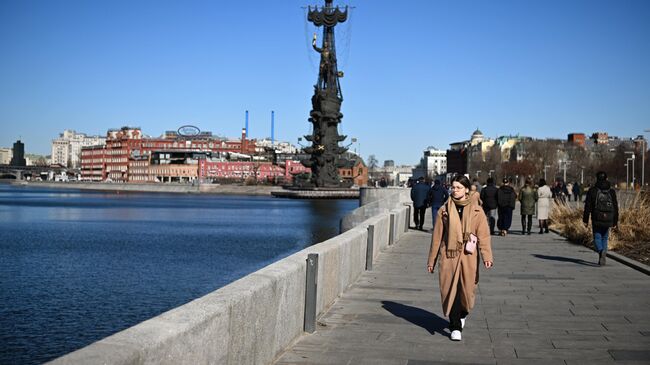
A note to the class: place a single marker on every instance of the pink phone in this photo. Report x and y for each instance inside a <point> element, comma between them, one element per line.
<point>470,245</point>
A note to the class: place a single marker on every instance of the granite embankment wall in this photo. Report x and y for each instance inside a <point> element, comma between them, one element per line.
<point>252,320</point>
<point>374,202</point>
<point>159,188</point>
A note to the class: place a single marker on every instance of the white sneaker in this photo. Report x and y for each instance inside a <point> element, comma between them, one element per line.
<point>456,335</point>
<point>462,323</point>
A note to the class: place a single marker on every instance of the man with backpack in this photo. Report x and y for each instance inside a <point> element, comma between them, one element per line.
<point>506,200</point>
<point>489,199</point>
<point>602,206</point>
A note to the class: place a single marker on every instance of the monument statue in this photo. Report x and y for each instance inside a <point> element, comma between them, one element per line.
<point>326,154</point>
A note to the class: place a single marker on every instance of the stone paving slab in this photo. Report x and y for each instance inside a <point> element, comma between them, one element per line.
<point>546,301</point>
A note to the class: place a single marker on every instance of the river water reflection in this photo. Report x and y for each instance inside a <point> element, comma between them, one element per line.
<point>77,266</point>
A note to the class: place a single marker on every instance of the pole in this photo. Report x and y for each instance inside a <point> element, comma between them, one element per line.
<point>627,174</point>
<point>582,175</point>
<point>247,124</point>
<point>272,128</point>
<point>565,163</point>
<point>633,173</point>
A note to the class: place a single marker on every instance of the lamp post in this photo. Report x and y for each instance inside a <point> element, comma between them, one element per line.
<point>478,173</point>
<point>627,174</point>
<point>628,162</point>
<point>566,162</point>
<point>545,167</point>
<point>491,171</point>
<point>582,175</point>
<point>645,147</point>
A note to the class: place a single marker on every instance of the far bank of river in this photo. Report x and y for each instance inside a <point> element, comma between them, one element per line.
<point>258,190</point>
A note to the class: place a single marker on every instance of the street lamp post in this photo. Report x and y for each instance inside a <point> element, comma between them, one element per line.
<point>545,167</point>
<point>626,169</point>
<point>645,147</point>
<point>491,171</point>
<point>627,174</point>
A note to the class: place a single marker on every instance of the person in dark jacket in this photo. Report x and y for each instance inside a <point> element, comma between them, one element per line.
<point>506,200</point>
<point>489,199</point>
<point>601,205</point>
<point>437,197</point>
<point>419,195</point>
<point>576,190</point>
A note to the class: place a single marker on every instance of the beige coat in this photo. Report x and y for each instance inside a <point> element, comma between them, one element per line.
<point>463,267</point>
<point>544,198</point>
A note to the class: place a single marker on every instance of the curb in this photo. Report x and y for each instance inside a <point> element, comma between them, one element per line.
<point>636,265</point>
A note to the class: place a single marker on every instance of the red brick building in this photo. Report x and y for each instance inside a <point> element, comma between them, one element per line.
<point>127,155</point>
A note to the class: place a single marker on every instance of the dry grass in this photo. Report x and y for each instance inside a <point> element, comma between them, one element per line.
<point>631,239</point>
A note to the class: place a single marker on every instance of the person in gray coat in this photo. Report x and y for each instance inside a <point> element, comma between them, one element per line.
<point>419,196</point>
<point>528,198</point>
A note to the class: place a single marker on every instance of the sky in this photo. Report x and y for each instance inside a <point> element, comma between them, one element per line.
<point>417,73</point>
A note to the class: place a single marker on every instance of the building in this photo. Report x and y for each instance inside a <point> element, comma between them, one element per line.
<point>354,171</point>
<point>600,138</point>
<point>18,155</point>
<point>393,175</point>
<point>129,156</point>
<point>432,163</point>
<point>66,150</point>
<point>5,156</point>
<point>239,171</point>
<point>457,157</point>
<point>577,139</point>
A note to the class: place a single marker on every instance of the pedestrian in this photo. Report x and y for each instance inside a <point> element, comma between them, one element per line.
<point>460,233</point>
<point>437,197</point>
<point>602,206</point>
<point>506,202</point>
<point>419,195</point>
<point>576,192</point>
<point>560,192</point>
<point>544,198</point>
<point>477,185</point>
<point>527,199</point>
<point>489,199</point>
<point>569,190</point>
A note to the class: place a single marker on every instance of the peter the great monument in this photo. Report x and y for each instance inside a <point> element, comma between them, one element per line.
<point>326,156</point>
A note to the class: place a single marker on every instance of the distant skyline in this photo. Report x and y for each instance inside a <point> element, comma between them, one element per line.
<point>417,74</point>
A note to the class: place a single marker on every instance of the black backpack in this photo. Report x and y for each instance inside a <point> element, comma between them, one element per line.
<point>603,214</point>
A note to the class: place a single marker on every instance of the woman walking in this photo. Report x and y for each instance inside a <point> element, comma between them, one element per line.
<point>528,198</point>
<point>544,197</point>
<point>460,233</point>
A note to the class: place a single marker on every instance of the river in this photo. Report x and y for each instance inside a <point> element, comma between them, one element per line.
<point>77,266</point>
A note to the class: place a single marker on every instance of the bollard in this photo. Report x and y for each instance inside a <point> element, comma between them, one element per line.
<point>408,218</point>
<point>391,229</point>
<point>371,247</point>
<point>310,292</point>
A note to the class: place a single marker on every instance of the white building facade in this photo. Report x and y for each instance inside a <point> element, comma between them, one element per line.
<point>432,163</point>
<point>66,150</point>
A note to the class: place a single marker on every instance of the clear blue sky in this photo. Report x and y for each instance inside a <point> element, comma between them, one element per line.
<point>417,73</point>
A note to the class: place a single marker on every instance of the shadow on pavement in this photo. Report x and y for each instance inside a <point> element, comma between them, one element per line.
<point>566,259</point>
<point>420,317</point>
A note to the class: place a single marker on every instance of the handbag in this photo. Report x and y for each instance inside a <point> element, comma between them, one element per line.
<point>470,245</point>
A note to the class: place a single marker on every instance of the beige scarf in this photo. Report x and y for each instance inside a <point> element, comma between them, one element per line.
<point>457,231</point>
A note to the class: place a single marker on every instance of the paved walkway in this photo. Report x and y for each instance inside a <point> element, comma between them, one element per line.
<point>544,302</point>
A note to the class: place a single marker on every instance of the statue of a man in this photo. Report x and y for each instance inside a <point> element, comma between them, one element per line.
<point>324,56</point>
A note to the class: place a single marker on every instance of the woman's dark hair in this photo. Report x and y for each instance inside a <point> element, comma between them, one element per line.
<point>463,180</point>
<point>601,176</point>
<point>542,182</point>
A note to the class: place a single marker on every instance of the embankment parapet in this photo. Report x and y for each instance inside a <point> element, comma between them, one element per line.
<point>252,320</point>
